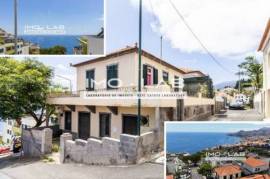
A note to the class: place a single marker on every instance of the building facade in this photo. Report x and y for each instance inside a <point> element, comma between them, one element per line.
<point>227,172</point>
<point>90,117</point>
<point>265,48</point>
<point>111,117</point>
<point>253,165</point>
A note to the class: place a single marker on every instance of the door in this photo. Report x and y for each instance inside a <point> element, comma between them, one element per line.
<point>130,124</point>
<point>104,125</point>
<point>68,120</point>
<point>84,125</point>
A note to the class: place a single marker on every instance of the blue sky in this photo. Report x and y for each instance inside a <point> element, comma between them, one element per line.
<point>78,16</point>
<point>214,126</point>
<point>237,36</point>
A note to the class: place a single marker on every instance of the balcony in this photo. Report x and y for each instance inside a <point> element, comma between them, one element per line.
<point>80,97</point>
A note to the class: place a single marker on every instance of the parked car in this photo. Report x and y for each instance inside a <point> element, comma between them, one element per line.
<point>4,150</point>
<point>236,104</point>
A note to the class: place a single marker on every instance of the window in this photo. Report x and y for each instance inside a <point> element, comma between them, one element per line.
<point>1,50</point>
<point>90,78</point>
<point>165,76</point>
<point>176,83</point>
<point>150,75</point>
<point>112,76</point>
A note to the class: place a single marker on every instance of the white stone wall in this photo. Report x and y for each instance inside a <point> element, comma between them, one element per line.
<point>108,151</point>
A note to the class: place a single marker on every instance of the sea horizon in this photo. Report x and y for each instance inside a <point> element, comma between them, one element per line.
<point>192,142</point>
<point>48,41</point>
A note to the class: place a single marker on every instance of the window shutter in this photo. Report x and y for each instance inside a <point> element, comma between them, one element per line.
<point>112,73</point>
<point>155,80</point>
<point>145,74</point>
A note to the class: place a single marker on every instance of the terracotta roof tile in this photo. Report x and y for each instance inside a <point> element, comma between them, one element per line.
<point>227,170</point>
<point>253,162</point>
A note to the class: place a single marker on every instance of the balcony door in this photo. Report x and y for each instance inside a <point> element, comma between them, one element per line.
<point>84,125</point>
<point>150,75</point>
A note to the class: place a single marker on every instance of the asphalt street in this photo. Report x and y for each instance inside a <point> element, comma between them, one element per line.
<point>31,169</point>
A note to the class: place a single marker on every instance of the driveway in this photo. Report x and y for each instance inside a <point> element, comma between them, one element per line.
<point>238,115</point>
<point>31,169</point>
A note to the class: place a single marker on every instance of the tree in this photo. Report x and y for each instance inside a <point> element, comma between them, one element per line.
<point>84,45</point>
<point>24,86</point>
<point>194,158</point>
<point>56,50</point>
<point>254,70</point>
<point>205,169</point>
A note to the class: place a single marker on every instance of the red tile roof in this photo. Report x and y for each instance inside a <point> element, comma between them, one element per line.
<point>227,170</point>
<point>253,162</point>
<point>169,177</point>
<point>265,176</point>
<point>264,37</point>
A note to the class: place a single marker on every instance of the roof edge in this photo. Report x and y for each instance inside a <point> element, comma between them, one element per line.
<point>265,34</point>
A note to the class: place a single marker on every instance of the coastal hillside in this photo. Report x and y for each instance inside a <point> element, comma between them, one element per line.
<point>260,132</point>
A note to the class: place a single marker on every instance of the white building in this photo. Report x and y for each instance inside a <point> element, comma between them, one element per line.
<point>265,48</point>
<point>7,45</point>
<point>8,131</point>
<point>253,165</point>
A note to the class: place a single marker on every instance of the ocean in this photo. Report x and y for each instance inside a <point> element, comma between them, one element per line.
<point>46,41</point>
<point>194,142</point>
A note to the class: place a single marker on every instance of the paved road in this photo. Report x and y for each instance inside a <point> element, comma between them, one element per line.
<point>29,169</point>
<point>238,115</point>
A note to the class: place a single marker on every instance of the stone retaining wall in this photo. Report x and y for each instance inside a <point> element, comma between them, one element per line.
<point>36,142</point>
<point>198,112</point>
<point>108,151</point>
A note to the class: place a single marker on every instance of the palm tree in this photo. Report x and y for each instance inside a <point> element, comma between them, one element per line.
<point>254,70</point>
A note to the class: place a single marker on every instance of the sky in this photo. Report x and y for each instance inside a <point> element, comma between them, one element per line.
<point>78,16</point>
<point>229,29</point>
<point>223,127</point>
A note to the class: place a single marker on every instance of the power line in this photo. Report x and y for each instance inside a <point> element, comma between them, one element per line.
<point>197,38</point>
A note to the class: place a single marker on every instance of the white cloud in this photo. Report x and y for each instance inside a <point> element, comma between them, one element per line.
<point>226,27</point>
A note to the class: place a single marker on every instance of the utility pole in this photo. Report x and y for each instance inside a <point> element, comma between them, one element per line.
<point>15,27</point>
<point>239,82</point>
<point>140,69</point>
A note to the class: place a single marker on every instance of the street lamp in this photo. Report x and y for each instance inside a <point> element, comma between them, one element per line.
<point>15,27</point>
<point>140,69</point>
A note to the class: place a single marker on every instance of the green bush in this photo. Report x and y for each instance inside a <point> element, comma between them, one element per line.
<point>55,148</point>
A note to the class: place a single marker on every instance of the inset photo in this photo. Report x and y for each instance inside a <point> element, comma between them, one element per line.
<point>222,150</point>
<point>62,27</point>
